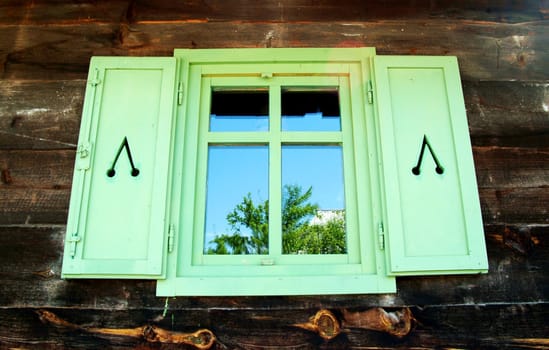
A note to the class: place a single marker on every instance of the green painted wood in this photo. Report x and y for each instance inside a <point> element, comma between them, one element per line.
<point>116,224</point>
<point>193,273</point>
<point>433,213</point>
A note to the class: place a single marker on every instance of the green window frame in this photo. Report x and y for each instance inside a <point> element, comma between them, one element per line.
<point>384,119</point>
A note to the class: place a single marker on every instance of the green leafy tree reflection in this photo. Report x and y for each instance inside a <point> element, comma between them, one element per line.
<point>300,234</point>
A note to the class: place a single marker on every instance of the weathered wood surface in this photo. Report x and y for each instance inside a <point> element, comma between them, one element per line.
<point>47,12</point>
<point>503,50</point>
<point>454,326</point>
<point>513,184</point>
<point>39,114</point>
<point>489,51</point>
<point>31,278</point>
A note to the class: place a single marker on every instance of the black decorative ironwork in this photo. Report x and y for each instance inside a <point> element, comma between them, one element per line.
<point>135,172</point>
<point>417,169</point>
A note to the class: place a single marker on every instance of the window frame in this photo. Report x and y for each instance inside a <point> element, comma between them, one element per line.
<point>185,274</point>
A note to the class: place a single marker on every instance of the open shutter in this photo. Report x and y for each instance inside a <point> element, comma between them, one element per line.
<point>116,226</point>
<point>434,223</point>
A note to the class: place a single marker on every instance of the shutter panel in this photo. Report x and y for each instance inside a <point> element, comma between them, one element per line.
<point>116,226</point>
<point>434,223</point>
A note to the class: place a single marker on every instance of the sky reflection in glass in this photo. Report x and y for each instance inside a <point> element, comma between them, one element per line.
<point>233,172</point>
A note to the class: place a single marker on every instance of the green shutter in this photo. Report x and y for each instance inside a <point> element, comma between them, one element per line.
<point>433,219</point>
<point>116,226</point>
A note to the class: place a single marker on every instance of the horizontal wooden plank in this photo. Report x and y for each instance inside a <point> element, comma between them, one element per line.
<point>511,167</point>
<point>34,206</point>
<point>452,326</point>
<point>35,185</point>
<point>515,205</point>
<point>31,260</point>
<point>486,51</point>
<point>46,114</point>
<point>515,111</point>
<point>40,114</point>
<point>47,12</point>
<point>496,167</point>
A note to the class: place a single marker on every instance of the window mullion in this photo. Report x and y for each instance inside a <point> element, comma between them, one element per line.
<point>275,173</point>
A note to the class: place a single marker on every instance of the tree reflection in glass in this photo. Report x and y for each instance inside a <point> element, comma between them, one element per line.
<point>237,200</point>
<point>313,208</point>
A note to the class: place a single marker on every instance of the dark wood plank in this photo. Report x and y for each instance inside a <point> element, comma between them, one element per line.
<point>46,114</point>
<point>517,112</point>
<point>515,205</point>
<point>40,114</point>
<point>31,277</point>
<point>35,185</point>
<point>37,169</point>
<point>511,167</point>
<point>450,326</point>
<point>24,12</point>
<point>34,206</point>
<point>46,12</point>
<point>486,51</point>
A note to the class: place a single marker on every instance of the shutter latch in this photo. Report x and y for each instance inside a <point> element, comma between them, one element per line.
<point>83,159</point>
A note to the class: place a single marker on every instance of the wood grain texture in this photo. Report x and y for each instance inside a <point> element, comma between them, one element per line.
<point>35,185</point>
<point>503,50</point>
<point>486,51</point>
<point>31,259</point>
<point>455,326</point>
<point>38,114</point>
<point>50,11</point>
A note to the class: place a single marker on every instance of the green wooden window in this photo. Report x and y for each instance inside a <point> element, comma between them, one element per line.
<point>274,171</point>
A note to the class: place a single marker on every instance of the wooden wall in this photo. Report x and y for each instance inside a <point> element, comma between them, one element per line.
<point>503,50</point>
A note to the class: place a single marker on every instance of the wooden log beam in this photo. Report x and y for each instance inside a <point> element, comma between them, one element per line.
<point>35,185</point>
<point>487,51</point>
<point>46,114</point>
<point>451,326</point>
<point>48,12</point>
<point>31,277</point>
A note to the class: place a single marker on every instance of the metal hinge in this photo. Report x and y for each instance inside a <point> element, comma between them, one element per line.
<point>180,93</point>
<point>370,92</point>
<point>171,237</point>
<point>73,240</point>
<point>381,236</point>
<point>96,80</point>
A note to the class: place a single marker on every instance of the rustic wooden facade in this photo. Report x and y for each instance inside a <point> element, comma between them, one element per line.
<point>503,50</point>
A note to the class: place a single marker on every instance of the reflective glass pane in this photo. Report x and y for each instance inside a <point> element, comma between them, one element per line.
<point>310,111</point>
<point>239,111</point>
<point>237,197</point>
<point>313,201</point>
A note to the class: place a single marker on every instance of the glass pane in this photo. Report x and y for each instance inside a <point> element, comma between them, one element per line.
<point>310,111</point>
<point>239,111</point>
<point>237,200</point>
<point>313,200</point>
